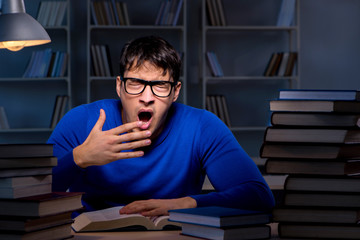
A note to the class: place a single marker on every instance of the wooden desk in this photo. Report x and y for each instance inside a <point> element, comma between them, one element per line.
<point>144,235</point>
<point>147,235</point>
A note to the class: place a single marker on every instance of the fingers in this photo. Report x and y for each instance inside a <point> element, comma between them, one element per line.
<point>131,139</point>
<point>101,120</point>
<point>151,207</point>
<point>137,207</point>
<point>127,127</point>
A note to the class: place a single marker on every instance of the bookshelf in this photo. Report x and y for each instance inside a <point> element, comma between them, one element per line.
<point>29,101</point>
<point>243,41</point>
<point>142,20</point>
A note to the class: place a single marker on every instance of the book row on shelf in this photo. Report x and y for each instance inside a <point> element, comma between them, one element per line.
<point>101,64</point>
<point>51,13</point>
<point>29,207</point>
<point>217,17</point>
<point>100,59</point>
<point>215,13</point>
<point>281,64</point>
<point>59,110</point>
<point>112,12</point>
<point>217,104</point>
<point>169,12</point>
<point>60,107</point>
<point>314,139</point>
<point>46,63</point>
<point>109,13</point>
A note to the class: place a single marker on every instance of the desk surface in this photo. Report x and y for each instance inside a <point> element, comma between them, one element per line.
<point>146,235</point>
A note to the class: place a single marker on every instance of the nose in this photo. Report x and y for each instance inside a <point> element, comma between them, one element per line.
<point>147,95</point>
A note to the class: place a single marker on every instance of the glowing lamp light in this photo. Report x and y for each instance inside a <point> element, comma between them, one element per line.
<point>18,29</point>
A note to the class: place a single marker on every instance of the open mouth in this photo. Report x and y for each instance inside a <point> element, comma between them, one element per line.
<point>145,116</point>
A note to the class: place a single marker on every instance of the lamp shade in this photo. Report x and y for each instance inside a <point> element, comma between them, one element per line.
<point>18,29</point>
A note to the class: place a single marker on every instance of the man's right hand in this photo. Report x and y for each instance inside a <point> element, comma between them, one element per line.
<point>102,147</point>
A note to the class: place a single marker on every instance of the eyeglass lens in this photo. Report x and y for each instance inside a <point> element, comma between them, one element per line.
<point>137,86</point>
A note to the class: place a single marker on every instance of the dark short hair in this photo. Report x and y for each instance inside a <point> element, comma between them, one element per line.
<point>153,49</point>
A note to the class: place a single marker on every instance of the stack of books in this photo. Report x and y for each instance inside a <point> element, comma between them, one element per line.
<point>29,208</point>
<point>315,139</point>
<point>222,223</point>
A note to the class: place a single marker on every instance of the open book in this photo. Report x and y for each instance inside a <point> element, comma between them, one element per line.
<point>110,219</point>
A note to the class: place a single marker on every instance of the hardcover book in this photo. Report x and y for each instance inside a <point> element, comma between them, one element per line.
<point>322,199</point>
<point>30,224</point>
<point>111,219</point>
<point>18,172</point>
<point>313,94</point>
<point>25,181</point>
<point>26,150</point>
<point>42,205</point>
<point>28,162</point>
<point>312,135</point>
<point>218,216</point>
<point>316,215</point>
<point>245,232</point>
<point>315,106</point>
<point>305,150</point>
<point>24,191</point>
<point>330,231</point>
<point>53,233</point>
<point>315,119</point>
<point>339,167</point>
<point>322,184</point>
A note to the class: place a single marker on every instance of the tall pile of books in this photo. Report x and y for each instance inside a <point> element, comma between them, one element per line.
<point>222,223</point>
<point>28,207</point>
<point>315,139</point>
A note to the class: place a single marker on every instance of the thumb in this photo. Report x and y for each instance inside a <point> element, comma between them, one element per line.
<point>101,120</point>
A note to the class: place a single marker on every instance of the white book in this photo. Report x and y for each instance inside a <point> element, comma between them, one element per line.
<point>61,14</point>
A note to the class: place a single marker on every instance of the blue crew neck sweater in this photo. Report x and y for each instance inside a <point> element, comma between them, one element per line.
<point>193,144</point>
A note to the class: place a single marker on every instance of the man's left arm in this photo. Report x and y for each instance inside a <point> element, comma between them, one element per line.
<point>237,180</point>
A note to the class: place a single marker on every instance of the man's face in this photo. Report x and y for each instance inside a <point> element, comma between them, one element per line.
<point>146,106</point>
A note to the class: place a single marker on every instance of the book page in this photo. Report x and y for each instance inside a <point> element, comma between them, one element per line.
<point>105,214</point>
<point>162,221</point>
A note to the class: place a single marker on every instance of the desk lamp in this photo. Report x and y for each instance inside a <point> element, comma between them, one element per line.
<point>18,29</point>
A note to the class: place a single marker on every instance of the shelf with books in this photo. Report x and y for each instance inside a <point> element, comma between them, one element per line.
<point>28,99</point>
<point>244,41</point>
<point>143,19</point>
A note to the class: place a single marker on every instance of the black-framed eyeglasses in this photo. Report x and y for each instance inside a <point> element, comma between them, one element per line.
<point>135,86</point>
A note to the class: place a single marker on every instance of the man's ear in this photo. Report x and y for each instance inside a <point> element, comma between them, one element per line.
<point>177,91</point>
<point>118,85</point>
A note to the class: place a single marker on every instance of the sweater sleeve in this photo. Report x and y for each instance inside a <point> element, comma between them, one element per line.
<point>237,180</point>
<point>65,137</point>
